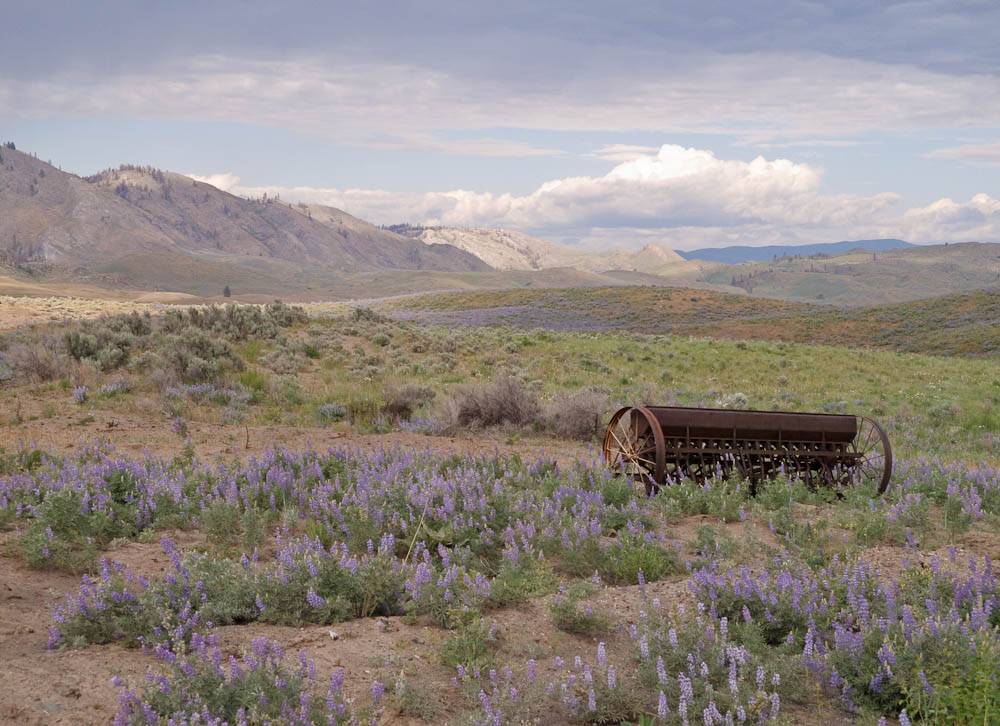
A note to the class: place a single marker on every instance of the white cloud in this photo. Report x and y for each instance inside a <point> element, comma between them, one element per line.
<point>762,97</point>
<point>622,152</point>
<point>987,153</point>
<point>809,143</point>
<point>682,197</point>
<point>483,146</point>
<point>945,220</point>
<point>226,182</point>
<point>675,195</point>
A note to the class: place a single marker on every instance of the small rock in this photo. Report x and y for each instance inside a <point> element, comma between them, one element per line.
<point>334,635</point>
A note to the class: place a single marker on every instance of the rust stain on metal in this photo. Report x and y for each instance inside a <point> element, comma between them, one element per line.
<point>660,445</point>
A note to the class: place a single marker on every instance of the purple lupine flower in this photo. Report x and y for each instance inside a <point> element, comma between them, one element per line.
<point>662,709</point>
<point>55,637</point>
<point>923,680</point>
<point>314,600</point>
<point>687,690</point>
<point>378,690</point>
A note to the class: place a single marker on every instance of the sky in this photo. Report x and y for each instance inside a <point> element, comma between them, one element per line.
<point>598,124</point>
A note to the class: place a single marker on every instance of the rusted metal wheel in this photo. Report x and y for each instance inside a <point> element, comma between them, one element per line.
<point>633,445</point>
<point>872,455</point>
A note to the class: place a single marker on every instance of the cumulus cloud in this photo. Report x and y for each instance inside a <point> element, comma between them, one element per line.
<point>681,196</point>
<point>977,220</point>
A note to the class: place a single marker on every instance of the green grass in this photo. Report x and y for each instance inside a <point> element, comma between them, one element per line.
<point>949,406</point>
<point>960,324</point>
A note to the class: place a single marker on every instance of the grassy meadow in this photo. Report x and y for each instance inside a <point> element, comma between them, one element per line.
<point>501,589</point>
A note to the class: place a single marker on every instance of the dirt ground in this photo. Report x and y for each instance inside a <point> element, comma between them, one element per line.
<point>132,435</point>
<point>74,686</point>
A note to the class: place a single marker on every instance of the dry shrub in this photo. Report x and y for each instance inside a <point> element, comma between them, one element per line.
<point>652,394</point>
<point>503,401</point>
<point>39,361</point>
<point>401,404</point>
<point>576,415</point>
<point>281,361</point>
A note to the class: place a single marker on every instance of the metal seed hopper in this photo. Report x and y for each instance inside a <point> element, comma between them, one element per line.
<point>659,445</point>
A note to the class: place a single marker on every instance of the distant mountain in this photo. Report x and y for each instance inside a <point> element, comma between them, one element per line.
<point>148,229</point>
<point>508,250</point>
<point>499,248</point>
<point>738,253</point>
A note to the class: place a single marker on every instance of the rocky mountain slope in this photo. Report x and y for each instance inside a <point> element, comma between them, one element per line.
<point>508,250</point>
<point>138,226</point>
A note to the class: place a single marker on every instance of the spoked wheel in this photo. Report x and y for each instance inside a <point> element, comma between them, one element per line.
<point>872,455</point>
<point>633,445</point>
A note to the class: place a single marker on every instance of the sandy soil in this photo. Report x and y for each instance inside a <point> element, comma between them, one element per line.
<point>132,433</point>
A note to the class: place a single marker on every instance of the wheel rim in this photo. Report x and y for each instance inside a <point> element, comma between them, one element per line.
<point>872,455</point>
<point>633,445</point>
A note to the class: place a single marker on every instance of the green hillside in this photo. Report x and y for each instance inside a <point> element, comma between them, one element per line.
<point>965,324</point>
<point>867,278</point>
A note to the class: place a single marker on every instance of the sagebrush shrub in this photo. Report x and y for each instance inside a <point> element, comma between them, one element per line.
<point>400,404</point>
<point>39,361</point>
<point>576,415</point>
<point>196,356</point>
<point>503,401</point>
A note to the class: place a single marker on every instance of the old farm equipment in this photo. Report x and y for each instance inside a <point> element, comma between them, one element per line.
<point>663,444</point>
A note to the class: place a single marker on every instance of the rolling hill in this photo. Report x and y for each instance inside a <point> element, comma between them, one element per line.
<point>847,274</point>
<point>144,228</point>
<point>740,253</point>
<point>863,278</point>
<point>963,324</point>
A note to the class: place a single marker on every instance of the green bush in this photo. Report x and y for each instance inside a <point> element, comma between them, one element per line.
<point>517,584</point>
<point>195,356</point>
<point>619,563</point>
<point>569,616</point>
<point>473,644</point>
<point>64,538</point>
